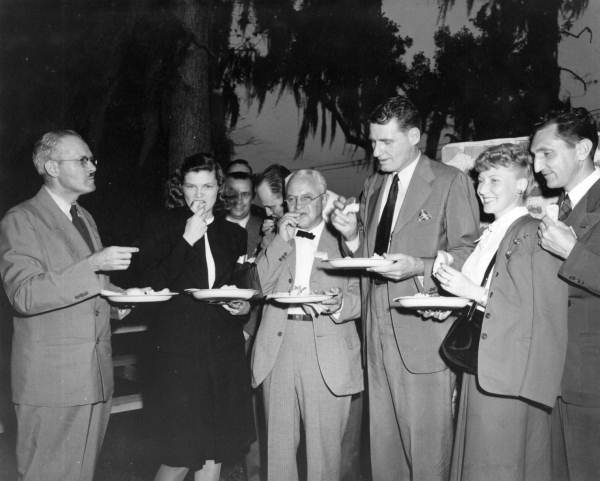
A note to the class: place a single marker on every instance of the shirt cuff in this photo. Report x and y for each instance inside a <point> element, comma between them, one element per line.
<point>354,244</point>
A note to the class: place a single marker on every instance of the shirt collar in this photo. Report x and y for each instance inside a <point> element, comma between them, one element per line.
<point>577,192</point>
<point>60,202</point>
<point>407,172</point>
<point>241,222</point>
<point>504,222</point>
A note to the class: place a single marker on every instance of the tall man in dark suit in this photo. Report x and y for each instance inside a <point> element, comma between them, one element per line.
<point>563,148</point>
<point>410,208</point>
<point>52,264</point>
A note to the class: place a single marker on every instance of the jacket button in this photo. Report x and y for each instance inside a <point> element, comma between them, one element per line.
<point>491,294</point>
<point>97,312</point>
<point>569,302</point>
<point>97,341</point>
<point>483,336</point>
<point>280,333</point>
<point>487,315</point>
<point>497,274</point>
<point>290,280</point>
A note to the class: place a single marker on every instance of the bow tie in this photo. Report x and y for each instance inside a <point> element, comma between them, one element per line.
<point>303,233</point>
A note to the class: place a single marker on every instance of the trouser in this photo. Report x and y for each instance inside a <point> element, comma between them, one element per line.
<point>60,443</point>
<point>575,442</point>
<point>295,391</point>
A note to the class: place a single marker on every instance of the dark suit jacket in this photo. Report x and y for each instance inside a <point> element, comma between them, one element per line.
<point>61,354</point>
<point>524,332</point>
<point>581,271</point>
<point>166,260</point>
<point>439,212</point>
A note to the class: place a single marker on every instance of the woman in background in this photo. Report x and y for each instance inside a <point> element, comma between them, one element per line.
<point>503,427</point>
<point>199,393</point>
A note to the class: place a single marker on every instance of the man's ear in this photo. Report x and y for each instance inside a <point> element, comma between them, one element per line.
<point>414,135</point>
<point>51,168</point>
<point>583,148</point>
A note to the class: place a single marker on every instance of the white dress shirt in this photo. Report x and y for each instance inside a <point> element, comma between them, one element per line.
<point>305,256</point>
<point>578,192</point>
<point>487,245</point>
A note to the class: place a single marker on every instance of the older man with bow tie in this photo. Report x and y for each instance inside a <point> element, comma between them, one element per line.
<point>307,356</point>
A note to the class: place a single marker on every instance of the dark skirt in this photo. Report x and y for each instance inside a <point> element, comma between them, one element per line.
<point>199,406</point>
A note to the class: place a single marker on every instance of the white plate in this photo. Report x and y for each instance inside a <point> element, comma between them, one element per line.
<point>287,298</point>
<point>430,302</point>
<point>128,299</point>
<point>358,262</point>
<point>222,294</point>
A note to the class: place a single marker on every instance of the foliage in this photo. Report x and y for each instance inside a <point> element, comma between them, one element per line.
<point>337,58</point>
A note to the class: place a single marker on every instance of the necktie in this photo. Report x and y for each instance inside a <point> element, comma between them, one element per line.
<point>384,228</point>
<point>564,207</point>
<point>303,233</point>
<point>80,226</point>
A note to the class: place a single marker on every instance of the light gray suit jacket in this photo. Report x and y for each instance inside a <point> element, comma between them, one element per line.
<point>439,212</point>
<point>337,341</point>
<point>61,353</point>
<point>524,332</point>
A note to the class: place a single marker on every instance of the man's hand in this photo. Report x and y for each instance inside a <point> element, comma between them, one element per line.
<point>556,237</point>
<point>435,314</point>
<point>345,223</point>
<point>404,266</point>
<point>287,225</point>
<point>113,258</point>
<point>268,226</point>
<point>196,225</point>
<point>237,308</point>
<point>328,306</point>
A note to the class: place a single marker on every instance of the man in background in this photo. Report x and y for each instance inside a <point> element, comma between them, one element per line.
<point>52,265</point>
<point>563,147</point>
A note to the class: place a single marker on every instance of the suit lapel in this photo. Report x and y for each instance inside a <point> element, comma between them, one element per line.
<point>416,194</point>
<point>60,223</point>
<point>374,201</point>
<point>585,214</point>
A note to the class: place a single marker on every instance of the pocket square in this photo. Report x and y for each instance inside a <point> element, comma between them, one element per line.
<point>424,216</point>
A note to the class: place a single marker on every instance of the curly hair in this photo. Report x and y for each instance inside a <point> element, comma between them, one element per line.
<point>511,156</point>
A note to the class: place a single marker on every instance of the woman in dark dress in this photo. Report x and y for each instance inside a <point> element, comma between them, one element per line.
<point>199,387</point>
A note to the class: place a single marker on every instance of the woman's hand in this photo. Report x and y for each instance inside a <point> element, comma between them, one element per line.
<point>196,225</point>
<point>237,308</point>
<point>442,257</point>
<point>455,282</point>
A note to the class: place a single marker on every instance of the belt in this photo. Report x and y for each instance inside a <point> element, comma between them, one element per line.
<point>299,317</point>
<point>379,280</point>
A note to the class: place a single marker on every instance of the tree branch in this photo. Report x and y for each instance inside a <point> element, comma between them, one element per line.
<point>569,34</point>
<point>576,76</point>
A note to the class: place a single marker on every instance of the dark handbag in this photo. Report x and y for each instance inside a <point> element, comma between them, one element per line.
<point>461,344</point>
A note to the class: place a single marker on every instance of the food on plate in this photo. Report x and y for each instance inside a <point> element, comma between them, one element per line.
<point>144,291</point>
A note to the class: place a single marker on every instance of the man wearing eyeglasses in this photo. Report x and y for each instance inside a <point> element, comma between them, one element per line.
<point>306,354</point>
<point>53,267</point>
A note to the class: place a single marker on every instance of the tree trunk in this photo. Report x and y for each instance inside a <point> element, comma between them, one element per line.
<point>189,120</point>
<point>543,36</point>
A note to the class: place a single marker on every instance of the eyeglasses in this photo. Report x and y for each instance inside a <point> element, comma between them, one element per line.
<point>84,161</point>
<point>301,201</point>
<point>231,196</point>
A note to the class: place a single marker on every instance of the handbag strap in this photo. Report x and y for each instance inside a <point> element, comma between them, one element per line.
<point>487,273</point>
